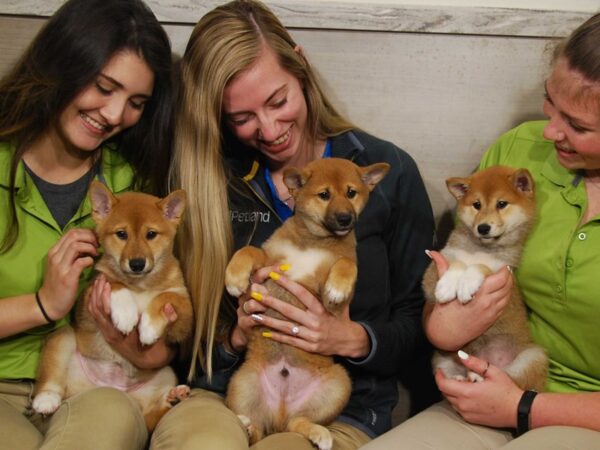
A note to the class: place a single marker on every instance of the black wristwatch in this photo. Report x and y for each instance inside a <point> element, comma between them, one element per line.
<point>523,411</point>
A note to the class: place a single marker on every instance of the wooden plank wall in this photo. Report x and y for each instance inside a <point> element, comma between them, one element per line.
<point>442,95</point>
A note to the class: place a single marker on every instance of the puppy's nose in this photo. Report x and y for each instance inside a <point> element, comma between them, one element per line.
<point>137,264</point>
<point>483,229</point>
<point>344,220</point>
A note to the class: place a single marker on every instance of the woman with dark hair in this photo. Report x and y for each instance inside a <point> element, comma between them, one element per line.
<point>91,98</point>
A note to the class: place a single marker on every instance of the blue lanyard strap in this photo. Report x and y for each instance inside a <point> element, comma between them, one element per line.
<point>282,209</point>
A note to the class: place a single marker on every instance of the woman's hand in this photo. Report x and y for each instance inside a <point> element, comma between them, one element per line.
<point>153,356</point>
<point>449,326</point>
<point>492,402</point>
<point>73,252</point>
<point>314,330</point>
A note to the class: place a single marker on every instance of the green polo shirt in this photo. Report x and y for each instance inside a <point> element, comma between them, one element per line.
<point>560,268</point>
<point>22,267</point>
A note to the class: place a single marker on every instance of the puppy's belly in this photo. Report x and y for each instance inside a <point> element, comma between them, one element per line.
<point>500,350</point>
<point>282,383</point>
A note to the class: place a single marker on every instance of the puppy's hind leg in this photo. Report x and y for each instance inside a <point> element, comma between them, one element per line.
<point>529,369</point>
<point>317,434</point>
<point>323,409</point>
<point>245,397</point>
<point>51,382</point>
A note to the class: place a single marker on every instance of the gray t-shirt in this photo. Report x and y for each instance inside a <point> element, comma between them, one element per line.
<point>63,200</point>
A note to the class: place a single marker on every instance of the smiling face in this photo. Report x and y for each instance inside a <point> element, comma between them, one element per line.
<point>265,108</point>
<point>113,102</point>
<point>573,106</point>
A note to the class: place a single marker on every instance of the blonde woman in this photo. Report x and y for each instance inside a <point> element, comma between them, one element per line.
<point>252,106</point>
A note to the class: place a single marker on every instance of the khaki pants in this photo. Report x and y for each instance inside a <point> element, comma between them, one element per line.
<point>204,422</point>
<point>440,427</point>
<point>99,419</point>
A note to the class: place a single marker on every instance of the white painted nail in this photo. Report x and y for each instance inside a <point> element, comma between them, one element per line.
<point>428,253</point>
<point>257,317</point>
<point>509,269</point>
<point>463,355</point>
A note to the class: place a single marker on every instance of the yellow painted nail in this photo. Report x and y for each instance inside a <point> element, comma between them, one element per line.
<point>274,276</point>
<point>267,334</point>
<point>256,296</point>
<point>285,267</point>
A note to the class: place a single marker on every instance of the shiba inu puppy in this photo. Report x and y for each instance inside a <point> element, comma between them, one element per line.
<point>136,231</point>
<point>496,209</point>
<point>280,387</point>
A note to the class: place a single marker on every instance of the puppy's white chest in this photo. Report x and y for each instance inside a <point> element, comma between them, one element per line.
<point>304,262</point>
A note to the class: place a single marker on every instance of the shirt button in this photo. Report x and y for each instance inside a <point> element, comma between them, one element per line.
<point>558,288</point>
<point>569,262</point>
<point>581,236</point>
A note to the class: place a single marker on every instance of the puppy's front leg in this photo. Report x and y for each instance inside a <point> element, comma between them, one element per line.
<point>52,372</point>
<point>124,310</point>
<point>339,286</point>
<point>153,322</point>
<point>243,264</point>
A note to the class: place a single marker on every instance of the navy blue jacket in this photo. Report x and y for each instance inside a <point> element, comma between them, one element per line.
<point>393,232</point>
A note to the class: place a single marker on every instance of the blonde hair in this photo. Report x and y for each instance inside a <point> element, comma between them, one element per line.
<point>224,43</point>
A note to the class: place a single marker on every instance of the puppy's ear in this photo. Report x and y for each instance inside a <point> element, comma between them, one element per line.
<point>373,174</point>
<point>295,178</point>
<point>458,187</point>
<point>523,181</point>
<point>173,205</point>
<point>102,201</point>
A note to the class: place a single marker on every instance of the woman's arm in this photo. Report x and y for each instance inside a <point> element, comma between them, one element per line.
<point>494,401</point>
<point>152,356</point>
<point>451,325</point>
<point>66,260</point>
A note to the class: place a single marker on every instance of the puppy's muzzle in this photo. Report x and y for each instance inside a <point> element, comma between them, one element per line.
<point>341,223</point>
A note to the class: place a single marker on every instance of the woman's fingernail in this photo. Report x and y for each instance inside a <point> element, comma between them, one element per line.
<point>463,355</point>
<point>509,269</point>
<point>274,276</point>
<point>256,296</point>
<point>257,317</point>
<point>428,253</point>
<point>267,334</point>
<point>285,267</point>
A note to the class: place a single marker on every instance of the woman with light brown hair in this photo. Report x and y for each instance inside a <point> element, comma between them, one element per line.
<point>251,106</point>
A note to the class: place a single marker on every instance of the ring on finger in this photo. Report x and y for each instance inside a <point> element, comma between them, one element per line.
<point>295,330</point>
<point>244,308</point>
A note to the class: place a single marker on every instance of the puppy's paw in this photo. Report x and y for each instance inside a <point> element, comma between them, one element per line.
<point>237,283</point>
<point>46,402</point>
<point>474,377</point>
<point>335,293</point>
<point>251,430</point>
<point>468,284</point>
<point>150,329</point>
<point>124,312</point>
<point>321,437</point>
<point>177,394</point>
<point>447,286</point>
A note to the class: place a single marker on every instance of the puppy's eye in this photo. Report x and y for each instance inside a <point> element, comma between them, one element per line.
<point>324,195</point>
<point>501,204</point>
<point>121,234</point>
<point>151,234</point>
<point>477,205</point>
<point>351,193</point>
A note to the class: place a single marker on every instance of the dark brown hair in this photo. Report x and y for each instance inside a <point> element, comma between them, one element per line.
<point>64,58</point>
